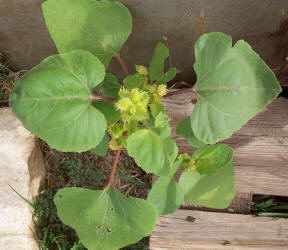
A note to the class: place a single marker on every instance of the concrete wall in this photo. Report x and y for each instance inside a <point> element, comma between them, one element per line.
<point>25,39</point>
<point>23,34</point>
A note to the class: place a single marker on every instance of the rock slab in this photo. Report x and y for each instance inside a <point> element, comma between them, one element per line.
<point>21,167</point>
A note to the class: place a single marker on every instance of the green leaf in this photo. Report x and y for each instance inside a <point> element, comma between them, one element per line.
<point>216,191</point>
<point>105,219</point>
<point>166,194</point>
<point>156,108</point>
<point>210,159</point>
<point>110,86</point>
<point>162,128</point>
<point>102,148</point>
<point>184,129</point>
<point>156,68</point>
<point>133,81</point>
<point>101,27</point>
<point>151,152</point>
<point>164,131</point>
<point>162,120</point>
<point>169,75</point>
<point>108,110</point>
<point>53,101</point>
<point>233,85</point>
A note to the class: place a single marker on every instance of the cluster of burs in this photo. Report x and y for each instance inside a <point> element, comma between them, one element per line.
<point>134,105</point>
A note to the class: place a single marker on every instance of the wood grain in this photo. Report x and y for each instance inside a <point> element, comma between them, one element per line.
<point>190,229</point>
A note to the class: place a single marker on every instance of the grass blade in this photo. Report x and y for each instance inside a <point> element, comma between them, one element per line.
<point>140,184</point>
<point>22,197</point>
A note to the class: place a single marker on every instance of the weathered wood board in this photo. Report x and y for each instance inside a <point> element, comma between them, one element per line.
<point>261,167</point>
<point>190,229</point>
<point>261,148</point>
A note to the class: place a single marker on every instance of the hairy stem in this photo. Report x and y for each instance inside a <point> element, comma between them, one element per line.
<point>114,167</point>
<point>146,124</point>
<point>179,92</point>
<point>181,150</point>
<point>123,65</point>
<point>115,162</point>
<point>102,98</point>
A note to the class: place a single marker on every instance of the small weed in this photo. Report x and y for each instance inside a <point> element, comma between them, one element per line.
<point>271,208</point>
<point>78,246</point>
<point>80,176</point>
<point>8,76</point>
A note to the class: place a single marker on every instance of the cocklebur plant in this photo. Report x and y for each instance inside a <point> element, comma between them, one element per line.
<point>69,101</point>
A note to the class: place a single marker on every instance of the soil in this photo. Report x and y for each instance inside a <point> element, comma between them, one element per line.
<point>55,158</point>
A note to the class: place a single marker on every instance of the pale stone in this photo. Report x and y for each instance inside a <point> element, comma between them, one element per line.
<point>18,154</point>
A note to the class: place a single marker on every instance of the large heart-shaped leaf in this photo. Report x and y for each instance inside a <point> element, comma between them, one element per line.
<point>105,219</point>
<point>166,194</point>
<point>101,27</point>
<point>233,85</point>
<point>151,152</point>
<point>216,191</point>
<point>53,101</point>
<point>209,159</point>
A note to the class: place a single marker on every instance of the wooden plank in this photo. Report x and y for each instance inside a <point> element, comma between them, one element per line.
<point>190,229</point>
<point>261,146</point>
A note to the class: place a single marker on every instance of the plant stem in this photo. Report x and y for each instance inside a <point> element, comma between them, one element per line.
<point>115,162</point>
<point>102,98</point>
<point>179,92</point>
<point>181,150</point>
<point>123,65</point>
<point>114,167</point>
<point>146,124</point>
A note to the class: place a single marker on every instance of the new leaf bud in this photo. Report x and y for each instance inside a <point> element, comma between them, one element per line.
<point>141,70</point>
<point>162,89</point>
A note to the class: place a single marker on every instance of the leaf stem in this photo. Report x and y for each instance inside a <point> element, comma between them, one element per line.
<point>102,98</point>
<point>146,124</point>
<point>114,167</point>
<point>123,65</point>
<point>181,150</point>
<point>179,92</point>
